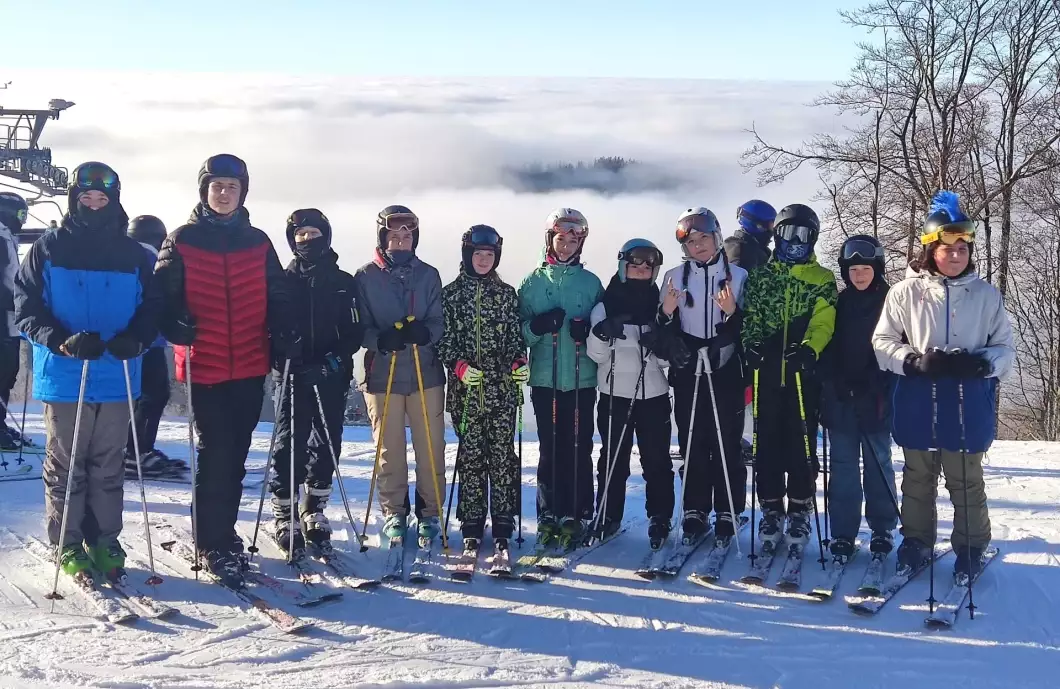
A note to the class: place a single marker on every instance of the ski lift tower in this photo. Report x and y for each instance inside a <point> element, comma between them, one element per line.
<point>21,158</point>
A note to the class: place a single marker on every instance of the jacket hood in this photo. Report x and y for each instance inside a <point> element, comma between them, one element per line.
<point>118,225</point>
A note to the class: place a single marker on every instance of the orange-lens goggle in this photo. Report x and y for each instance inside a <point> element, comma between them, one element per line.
<point>951,233</point>
<point>565,226</point>
<point>694,223</point>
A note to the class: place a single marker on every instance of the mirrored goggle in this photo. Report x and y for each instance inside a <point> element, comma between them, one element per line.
<point>564,226</point>
<point>642,256</point>
<point>796,233</point>
<point>96,177</point>
<point>308,219</point>
<point>485,236</point>
<point>226,165</point>
<point>694,223</point>
<point>858,248</point>
<point>746,218</point>
<point>402,221</point>
<point>951,234</point>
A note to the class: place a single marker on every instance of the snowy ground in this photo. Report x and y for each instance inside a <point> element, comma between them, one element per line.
<point>595,625</point>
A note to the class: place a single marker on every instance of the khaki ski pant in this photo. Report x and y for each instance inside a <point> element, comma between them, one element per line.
<point>97,497</point>
<point>393,480</point>
<point>920,490</point>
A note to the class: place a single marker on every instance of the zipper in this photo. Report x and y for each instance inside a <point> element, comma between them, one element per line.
<point>784,340</point>
<point>478,338</point>
<point>946,287</point>
<point>228,317</point>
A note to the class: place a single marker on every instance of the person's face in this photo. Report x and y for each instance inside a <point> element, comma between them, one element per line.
<point>399,240</point>
<point>635,272</point>
<point>861,276</point>
<point>482,261</point>
<point>223,195</point>
<point>564,245</point>
<point>93,200</point>
<point>304,234</point>
<point>952,259</point>
<point>701,246</point>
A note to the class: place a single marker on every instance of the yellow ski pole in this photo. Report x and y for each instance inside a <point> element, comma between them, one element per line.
<point>378,450</point>
<point>430,444</point>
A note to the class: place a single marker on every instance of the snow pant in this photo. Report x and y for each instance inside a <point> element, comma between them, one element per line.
<point>154,396</point>
<point>845,482</point>
<point>225,417</point>
<point>10,348</point>
<point>650,422</point>
<point>393,479</point>
<point>97,496</point>
<point>562,499</point>
<point>782,466</point>
<point>313,459</point>
<point>489,471</point>
<point>705,473</point>
<point>920,480</point>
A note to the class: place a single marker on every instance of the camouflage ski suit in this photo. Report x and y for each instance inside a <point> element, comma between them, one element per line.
<point>482,328</point>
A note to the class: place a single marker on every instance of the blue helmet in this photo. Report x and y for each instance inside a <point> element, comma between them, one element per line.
<point>639,251</point>
<point>756,218</point>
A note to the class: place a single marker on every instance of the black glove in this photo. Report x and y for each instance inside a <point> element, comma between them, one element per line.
<point>752,354</point>
<point>390,340</point>
<point>800,356</point>
<point>83,345</point>
<point>124,346</point>
<point>967,365</point>
<point>579,330</point>
<point>613,328</point>
<point>182,331</point>
<point>287,344</point>
<point>548,322</point>
<point>653,341</point>
<point>678,354</point>
<point>934,363</point>
<point>416,333</point>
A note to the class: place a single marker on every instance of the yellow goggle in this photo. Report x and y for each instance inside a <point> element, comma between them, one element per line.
<point>951,233</point>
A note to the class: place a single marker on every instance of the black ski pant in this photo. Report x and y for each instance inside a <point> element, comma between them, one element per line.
<point>313,459</point>
<point>557,498</point>
<point>705,473</point>
<point>154,396</point>
<point>9,364</point>
<point>225,417</point>
<point>781,465</point>
<point>649,420</point>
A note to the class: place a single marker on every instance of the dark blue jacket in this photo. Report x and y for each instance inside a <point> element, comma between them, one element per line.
<point>77,279</point>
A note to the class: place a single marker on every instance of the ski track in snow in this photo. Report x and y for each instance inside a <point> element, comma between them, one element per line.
<point>596,625</point>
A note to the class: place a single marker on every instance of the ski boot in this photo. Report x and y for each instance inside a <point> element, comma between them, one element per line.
<point>395,527</point>
<point>842,550</point>
<point>770,528</point>
<point>912,554</point>
<point>427,530</point>
<point>799,522</point>
<point>967,567</point>
<point>658,531</point>
<point>8,441</point>
<point>471,546</point>
<point>571,533</point>
<point>108,557</point>
<point>226,566</point>
<point>882,543</point>
<point>75,562</point>
<point>608,529</point>
<point>547,530</point>
<point>315,525</point>
<point>693,526</point>
<point>281,529</point>
<point>723,527</point>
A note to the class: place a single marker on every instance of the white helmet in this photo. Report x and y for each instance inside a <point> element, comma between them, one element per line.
<point>567,220</point>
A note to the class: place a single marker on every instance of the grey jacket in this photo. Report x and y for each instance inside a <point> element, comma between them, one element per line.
<point>8,269</point>
<point>387,295</point>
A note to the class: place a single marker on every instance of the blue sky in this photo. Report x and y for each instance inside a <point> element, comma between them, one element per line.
<point>757,39</point>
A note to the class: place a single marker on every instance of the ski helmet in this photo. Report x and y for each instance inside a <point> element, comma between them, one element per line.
<point>861,250</point>
<point>639,252</point>
<point>308,217</point>
<point>757,217</point>
<point>566,221</point>
<point>147,229</point>
<point>698,219</point>
<point>224,165</point>
<point>795,233</point>
<point>948,224</point>
<point>394,218</point>
<point>480,237</point>
<point>13,210</point>
<point>93,176</point>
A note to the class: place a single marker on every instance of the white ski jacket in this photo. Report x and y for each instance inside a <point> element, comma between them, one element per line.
<point>628,357</point>
<point>701,315</point>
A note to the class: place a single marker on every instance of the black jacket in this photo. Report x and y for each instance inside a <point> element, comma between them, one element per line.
<point>744,250</point>
<point>326,315</point>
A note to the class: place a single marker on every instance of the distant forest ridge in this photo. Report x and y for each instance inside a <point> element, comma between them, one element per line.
<point>607,175</point>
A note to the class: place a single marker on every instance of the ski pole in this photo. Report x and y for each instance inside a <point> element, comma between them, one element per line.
<point>935,459</point>
<point>335,457</point>
<point>964,479</point>
<point>555,417</point>
<point>456,465</point>
<point>54,595</point>
<point>883,476</point>
<point>689,435</point>
<point>752,556</point>
<point>721,445</point>
<point>378,451</point>
<point>292,493</point>
<point>577,429</point>
<point>430,443</point>
<point>824,471</point>
<point>25,401</point>
<point>193,460</point>
<point>154,579</point>
<point>809,464</point>
<point>253,548</point>
<point>519,492</point>
<point>605,438</point>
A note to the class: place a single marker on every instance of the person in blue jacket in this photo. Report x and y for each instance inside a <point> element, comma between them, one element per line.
<point>85,293</point>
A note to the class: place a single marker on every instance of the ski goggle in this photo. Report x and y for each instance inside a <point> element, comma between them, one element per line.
<point>96,176</point>
<point>694,223</point>
<point>402,221</point>
<point>308,218</point>
<point>484,236</point>
<point>860,249</point>
<point>226,165</point>
<point>642,256</point>
<point>748,221</point>
<point>568,226</point>
<point>951,233</point>
<point>797,233</point>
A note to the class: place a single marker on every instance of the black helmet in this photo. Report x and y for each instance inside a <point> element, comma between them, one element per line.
<point>395,217</point>
<point>13,210</point>
<point>861,250</point>
<point>147,229</point>
<point>224,165</point>
<point>795,233</point>
<point>480,237</point>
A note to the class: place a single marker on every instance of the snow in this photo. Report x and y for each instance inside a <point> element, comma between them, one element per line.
<point>595,625</point>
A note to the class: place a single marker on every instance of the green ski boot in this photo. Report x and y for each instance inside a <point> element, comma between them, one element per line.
<point>428,529</point>
<point>75,561</point>
<point>571,533</point>
<point>547,531</point>
<point>395,526</point>
<point>108,557</point>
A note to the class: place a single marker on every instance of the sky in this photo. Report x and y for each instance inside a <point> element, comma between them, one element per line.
<point>688,39</point>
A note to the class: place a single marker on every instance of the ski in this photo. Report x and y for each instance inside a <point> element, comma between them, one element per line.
<point>872,581</point>
<point>87,585</point>
<point>575,551</point>
<point>340,567</point>
<point>945,615</point>
<point>652,563</point>
<point>279,618</point>
<point>526,566</point>
<point>871,604</point>
<point>836,568</point>
<point>423,565</point>
<point>762,562</point>
<point>501,562</point>
<point>680,554</point>
<point>463,566</point>
<point>791,573</point>
<point>394,567</point>
<point>710,569</point>
<point>314,580</point>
